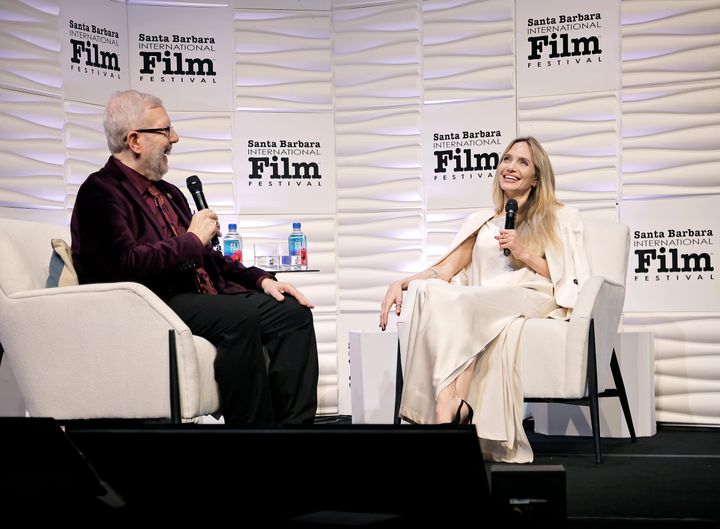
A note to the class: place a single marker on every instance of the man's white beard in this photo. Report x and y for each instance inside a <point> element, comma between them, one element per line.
<point>157,167</point>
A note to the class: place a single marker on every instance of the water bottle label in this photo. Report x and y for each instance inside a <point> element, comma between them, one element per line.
<point>232,247</point>
<point>237,255</point>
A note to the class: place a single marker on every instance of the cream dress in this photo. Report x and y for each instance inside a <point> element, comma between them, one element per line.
<point>452,324</point>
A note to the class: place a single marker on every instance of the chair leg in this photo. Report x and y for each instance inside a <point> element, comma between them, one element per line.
<point>398,386</point>
<point>175,417</point>
<point>620,386</point>
<point>593,392</point>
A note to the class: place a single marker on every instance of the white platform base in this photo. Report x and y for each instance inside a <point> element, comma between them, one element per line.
<point>636,356</point>
<point>373,363</point>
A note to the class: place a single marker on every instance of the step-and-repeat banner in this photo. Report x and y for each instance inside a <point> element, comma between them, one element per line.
<point>672,264</point>
<point>285,162</point>
<point>183,55</point>
<point>567,46</point>
<point>461,148</point>
<point>93,49</point>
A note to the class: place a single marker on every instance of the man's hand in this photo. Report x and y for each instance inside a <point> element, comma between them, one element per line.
<point>276,289</point>
<point>205,225</point>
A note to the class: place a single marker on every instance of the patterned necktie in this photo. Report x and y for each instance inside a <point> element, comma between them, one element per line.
<point>202,279</point>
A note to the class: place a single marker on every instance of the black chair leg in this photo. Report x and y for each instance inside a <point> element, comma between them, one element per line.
<point>620,386</point>
<point>593,392</point>
<point>175,417</point>
<point>398,386</point>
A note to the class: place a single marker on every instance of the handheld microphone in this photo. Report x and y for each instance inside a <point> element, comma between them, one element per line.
<point>195,187</point>
<point>511,207</point>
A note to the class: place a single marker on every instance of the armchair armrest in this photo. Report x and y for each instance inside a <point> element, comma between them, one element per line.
<point>96,350</point>
<point>601,301</point>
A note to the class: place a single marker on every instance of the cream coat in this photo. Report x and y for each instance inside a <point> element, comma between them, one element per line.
<point>568,265</point>
<point>452,324</point>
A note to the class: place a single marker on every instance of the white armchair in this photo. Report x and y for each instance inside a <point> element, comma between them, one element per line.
<point>568,361</point>
<point>95,351</point>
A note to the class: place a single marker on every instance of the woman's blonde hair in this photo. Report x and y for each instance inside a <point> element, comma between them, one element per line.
<point>536,221</point>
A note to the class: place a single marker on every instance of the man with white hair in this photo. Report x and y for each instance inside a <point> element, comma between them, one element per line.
<point>128,224</point>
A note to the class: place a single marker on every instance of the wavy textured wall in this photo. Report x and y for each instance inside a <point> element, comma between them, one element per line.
<point>374,64</point>
<point>670,145</point>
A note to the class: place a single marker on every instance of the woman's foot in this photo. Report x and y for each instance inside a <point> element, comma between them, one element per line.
<point>453,411</point>
<point>467,417</point>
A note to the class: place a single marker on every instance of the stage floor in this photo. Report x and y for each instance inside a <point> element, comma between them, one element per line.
<point>669,480</point>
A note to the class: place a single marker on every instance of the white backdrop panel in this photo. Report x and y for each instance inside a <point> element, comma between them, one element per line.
<point>378,158</point>
<point>31,149</point>
<point>374,249</point>
<point>85,144</point>
<point>30,58</point>
<point>671,140</point>
<point>285,162</point>
<point>687,348</point>
<point>377,55</point>
<point>283,59</point>
<point>673,254</point>
<point>183,55</point>
<point>462,143</point>
<point>205,149</point>
<point>671,41</point>
<point>579,132</point>
<point>468,50</point>
<point>567,46</point>
<point>94,49</point>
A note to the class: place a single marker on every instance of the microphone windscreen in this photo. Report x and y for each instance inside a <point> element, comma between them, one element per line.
<point>511,206</point>
<point>193,183</point>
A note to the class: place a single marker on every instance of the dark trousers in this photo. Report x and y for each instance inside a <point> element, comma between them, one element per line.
<point>239,325</point>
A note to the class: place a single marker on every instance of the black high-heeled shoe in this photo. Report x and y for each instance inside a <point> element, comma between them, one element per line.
<point>465,420</point>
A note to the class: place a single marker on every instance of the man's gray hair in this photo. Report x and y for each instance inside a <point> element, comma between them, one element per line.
<point>124,112</point>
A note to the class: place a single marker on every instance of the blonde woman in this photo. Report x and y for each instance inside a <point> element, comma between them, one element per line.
<point>462,360</point>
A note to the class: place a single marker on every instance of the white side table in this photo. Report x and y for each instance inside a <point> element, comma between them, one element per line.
<point>373,366</point>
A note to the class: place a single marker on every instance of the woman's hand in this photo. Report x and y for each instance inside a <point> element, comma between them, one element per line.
<point>509,239</point>
<point>393,296</point>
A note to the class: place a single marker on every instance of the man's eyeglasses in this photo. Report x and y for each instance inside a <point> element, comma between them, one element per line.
<point>164,130</point>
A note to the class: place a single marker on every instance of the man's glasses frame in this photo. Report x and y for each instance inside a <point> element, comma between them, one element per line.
<point>163,130</point>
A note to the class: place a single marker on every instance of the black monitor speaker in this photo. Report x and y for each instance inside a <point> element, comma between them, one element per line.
<point>530,494</point>
<point>390,475</point>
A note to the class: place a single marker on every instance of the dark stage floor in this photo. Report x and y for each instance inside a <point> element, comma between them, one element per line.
<point>670,479</point>
<point>335,474</point>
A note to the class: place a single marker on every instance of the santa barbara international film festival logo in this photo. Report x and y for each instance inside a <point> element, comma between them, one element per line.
<point>284,163</point>
<point>563,40</point>
<point>466,154</point>
<point>94,50</point>
<point>176,58</point>
<point>673,255</point>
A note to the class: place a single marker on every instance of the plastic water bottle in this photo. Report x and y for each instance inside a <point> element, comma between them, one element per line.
<point>233,243</point>
<point>297,246</point>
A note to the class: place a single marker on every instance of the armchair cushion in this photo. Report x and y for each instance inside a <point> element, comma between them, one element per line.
<point>61,272</point>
